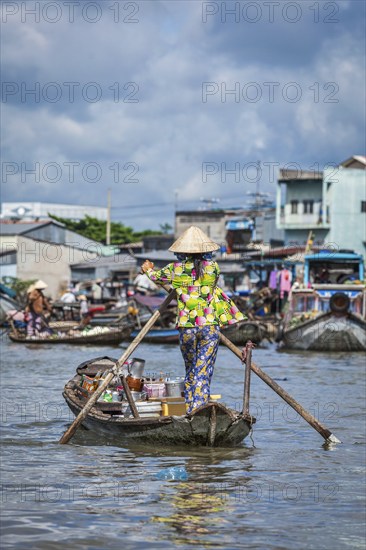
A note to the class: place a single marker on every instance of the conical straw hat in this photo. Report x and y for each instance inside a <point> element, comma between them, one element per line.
<point>194,241</point>
<point>40,285</point>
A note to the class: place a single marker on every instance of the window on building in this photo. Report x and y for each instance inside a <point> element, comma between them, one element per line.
<point>308,206</point>
<point>363,206</point>
<point>294,205</point>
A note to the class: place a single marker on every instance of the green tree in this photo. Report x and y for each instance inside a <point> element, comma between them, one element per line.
<point>19,286</point>
<point>166,228</point>
<point>95,229</point>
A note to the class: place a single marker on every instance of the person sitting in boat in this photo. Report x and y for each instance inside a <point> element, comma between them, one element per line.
<point>37,309</point>
<point>202,308</point>
<point>324,277</point>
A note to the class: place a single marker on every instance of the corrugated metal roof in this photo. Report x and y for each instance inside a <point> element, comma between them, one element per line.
<point>52,231</point>
<point>358,158</point>
<point>328,256</point>
<point>298,175</point>
<point>18,228</point>
<point>164,255</point>
<point>112,262</point>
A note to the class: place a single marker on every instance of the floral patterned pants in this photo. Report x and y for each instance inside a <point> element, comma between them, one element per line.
<point>34,324</point>
<point>199,347</point>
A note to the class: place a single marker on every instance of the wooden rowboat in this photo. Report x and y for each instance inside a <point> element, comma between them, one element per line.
<point>327,332</point>
<point>326,318</point>
<point>114,336</point>
<point>213,424</point>
<point>328,315</point>
<point>239,333</point>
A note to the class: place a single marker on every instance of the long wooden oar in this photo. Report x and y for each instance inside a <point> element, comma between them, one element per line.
<point>314,423</point>
<point>324,432</point>
<point>113,371</point>
<point>11,323</point>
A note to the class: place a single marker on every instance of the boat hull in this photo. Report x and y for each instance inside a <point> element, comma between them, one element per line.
<point>176,430</point>
<point>327,333</point>
<point>240,333</point>
<point>103,339</point>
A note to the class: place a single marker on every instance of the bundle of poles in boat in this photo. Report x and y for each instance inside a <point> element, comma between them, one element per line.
<point>245,358</point>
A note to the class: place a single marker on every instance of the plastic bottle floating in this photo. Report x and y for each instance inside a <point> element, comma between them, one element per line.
<point>174,473</point>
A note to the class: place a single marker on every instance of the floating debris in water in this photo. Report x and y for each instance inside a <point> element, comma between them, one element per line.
<point>174,473</point>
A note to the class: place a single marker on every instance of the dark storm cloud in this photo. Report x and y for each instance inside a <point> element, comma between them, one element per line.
<point>165,109</point>
<point>288,34</point>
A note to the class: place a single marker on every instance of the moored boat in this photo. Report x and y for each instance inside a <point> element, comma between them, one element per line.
<point>103,336</point>
<point>213,424</point>
<point>253,330</point>
<point>329,316</point>
<point>327,332</point>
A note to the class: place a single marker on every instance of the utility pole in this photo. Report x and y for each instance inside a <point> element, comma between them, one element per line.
<point>257,190</point>
<point>176,193</point>
<point>108,235</point>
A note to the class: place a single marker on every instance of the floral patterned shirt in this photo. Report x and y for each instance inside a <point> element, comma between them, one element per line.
<point>200,301</point>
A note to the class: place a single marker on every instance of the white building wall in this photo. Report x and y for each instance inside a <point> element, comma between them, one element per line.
<point>46,261</point>
<point>213,226</point>
<point>302,218</point>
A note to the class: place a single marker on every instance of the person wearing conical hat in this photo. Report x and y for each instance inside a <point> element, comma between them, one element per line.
<point>202,308</point>
<point>37,308</point>
<point>40,285</point>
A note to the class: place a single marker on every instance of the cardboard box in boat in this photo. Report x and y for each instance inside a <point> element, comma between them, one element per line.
<point>176,408</point>
<point>176,405</point>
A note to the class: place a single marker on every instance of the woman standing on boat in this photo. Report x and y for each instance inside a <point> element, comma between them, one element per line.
<point>37,308</point>
<point>202,308</point>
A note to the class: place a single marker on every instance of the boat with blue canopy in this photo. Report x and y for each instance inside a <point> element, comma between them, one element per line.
<point>328,312</point>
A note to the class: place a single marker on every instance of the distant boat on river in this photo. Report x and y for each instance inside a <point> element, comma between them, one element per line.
<point>330,315</point>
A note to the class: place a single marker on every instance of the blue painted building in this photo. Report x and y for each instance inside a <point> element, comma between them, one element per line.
<point>331,204</point>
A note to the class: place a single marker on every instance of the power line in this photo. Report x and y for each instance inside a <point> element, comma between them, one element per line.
<point>142,205</point>
<point>171,203</point>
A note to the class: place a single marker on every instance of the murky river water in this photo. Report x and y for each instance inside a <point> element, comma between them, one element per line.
<point>286,492</point>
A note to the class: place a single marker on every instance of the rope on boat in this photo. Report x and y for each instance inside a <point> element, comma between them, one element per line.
<point>212,428</point>
<point>251,438</point>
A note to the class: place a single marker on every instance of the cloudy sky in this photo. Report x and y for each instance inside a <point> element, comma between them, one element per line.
<point>170,102</point>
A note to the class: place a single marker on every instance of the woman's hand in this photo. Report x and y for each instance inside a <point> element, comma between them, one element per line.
<point>146,266</point>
